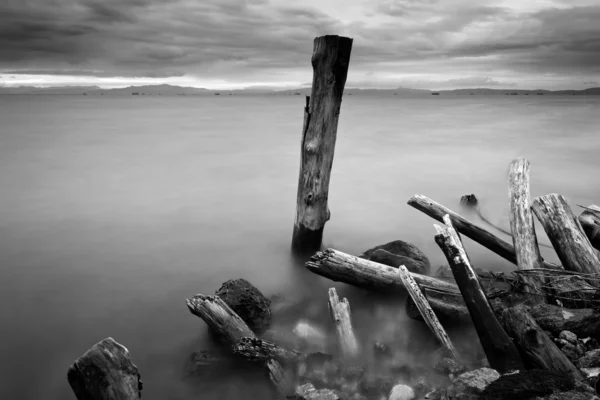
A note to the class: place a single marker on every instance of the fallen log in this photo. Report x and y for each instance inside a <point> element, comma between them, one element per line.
<point>499,349</point>
<point>583,322</point>
<point>470,230</point>
<point>260,351</point>
<point>230,328</point>
<point>524,238</point>
<point>566,235</point>
<point>535,344</point>
<point>340,314</point>
<point>330,59</point>
<point>105,372</point>
<point>425,310</point>
<point>451,310</point>
<point>590,222</point>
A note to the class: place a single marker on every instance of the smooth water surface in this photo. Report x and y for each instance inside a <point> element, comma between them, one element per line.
<point>114,210</point>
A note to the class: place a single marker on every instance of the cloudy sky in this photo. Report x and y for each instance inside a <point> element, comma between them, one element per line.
<point>222,44</point>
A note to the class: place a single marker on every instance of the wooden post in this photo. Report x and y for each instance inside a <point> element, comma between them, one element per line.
<point>522,227</point>
<point>340,314</point>
<point>105,372</point>
<point>499,349</point>
<point>539,348</point>
<point>330,59</point>
<point>470,230</point>
<point>230,328</point>
<point>425,309</point>
<point>566,234</point>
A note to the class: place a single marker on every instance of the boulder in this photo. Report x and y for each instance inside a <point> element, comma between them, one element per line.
<point>308,392</point>
<point>399,252</point>
<point>470,385</point>
<point>591,359</point>
<point>248,302</point>
<point>402,392</point>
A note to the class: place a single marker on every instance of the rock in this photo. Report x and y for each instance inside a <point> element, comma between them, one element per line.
<point>413,258</point>
<point>422,386</point>
<point>310,335</point>
<point>570,395</point>
<point>468,200</point>
<point>591,359</point>
<point>437,394</point>
<point>590,344</point>
<point>528,384</point>
<point>376,385</point>
<point>443,271</point>
<point>470,385</point>
<point>381,349</point>
<point>353,372</point>
<point>357,396</point>
<point>248,302</point>
<point>571,351</point>
<point>448,366</point>
<point>308,392</point>
<point>202,363</point>
<point>402,392</point>
<point>349,387</point>
<point>568,336</point>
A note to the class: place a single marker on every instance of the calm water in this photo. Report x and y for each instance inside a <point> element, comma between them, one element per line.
<point>114,210</point>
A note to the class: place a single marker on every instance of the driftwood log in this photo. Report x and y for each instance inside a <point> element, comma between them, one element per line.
<point>524,238</point>
<point>340,314</point>
<point>330,59</point>
<point>539,349</point>
<point>261,351</point>
<point>470,230</point>
<point>498,347</point>
<point>105,372</point>
<point>425,310</point>
<point>566,235</point>
<point>590,222</point>
<point>450,309</point>
<point>230,329</point>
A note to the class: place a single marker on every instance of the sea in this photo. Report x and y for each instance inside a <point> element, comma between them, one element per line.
<point>114,210</point>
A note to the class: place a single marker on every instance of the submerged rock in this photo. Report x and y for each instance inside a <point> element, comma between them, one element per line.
<point>399,252</point>
<point>311,336</point>
<point>308,392</point>
<point>202,363</point>
<point>248,302</point>
<point>402,392</point>
<point>469,385</point>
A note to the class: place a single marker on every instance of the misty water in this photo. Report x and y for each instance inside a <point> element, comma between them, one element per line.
<point>114,210</point>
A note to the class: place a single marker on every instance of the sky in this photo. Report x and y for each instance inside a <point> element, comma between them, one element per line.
<point>233,44</point>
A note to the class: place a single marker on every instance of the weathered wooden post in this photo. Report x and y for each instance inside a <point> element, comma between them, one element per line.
<point>522,227</point>
<point>105,372</point>
<point>330,59</point>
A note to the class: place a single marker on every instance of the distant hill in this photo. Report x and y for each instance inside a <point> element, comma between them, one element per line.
<point>172,90</point>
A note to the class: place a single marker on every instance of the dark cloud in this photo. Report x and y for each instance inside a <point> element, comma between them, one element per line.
<point>244,39</point>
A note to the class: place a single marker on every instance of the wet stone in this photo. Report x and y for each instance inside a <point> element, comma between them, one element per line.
<point>448,366</point>
<point>568,336</point>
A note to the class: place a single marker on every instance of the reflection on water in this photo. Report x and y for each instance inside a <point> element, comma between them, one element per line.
<point>115,209</point>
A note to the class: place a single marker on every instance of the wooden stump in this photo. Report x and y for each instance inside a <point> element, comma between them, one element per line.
<point>426,312</point>
<point>522,227</point>
<point>470,230</point>
<point>499,349</point>
<point>340,314</point>
<point>105,372</point>
<point>539,348</point>
<point>566,235</point>
<point>330,60</point>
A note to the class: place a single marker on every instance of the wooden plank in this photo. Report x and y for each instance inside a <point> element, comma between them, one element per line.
<point>105,372</point>
<point>499,349</point>
<point>538,347</point>
<point>469,229</point>
<point>522,227</point>
<point>425,309</point>
<point>340,314</point>
<point>566,234</point>
<point>330,60</point>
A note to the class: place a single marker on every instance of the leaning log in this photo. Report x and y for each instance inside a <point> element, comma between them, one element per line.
<point>330,59</point>
<point>230,329</point>
<point>426,312</point>
<point>499,349</point>
<point>521,225</point>
<point>566,235</point>
<point>539,349</point>
<point>339,310</point>
<point>583,322</point>
<point>590,222</point>
<point>105,372</point>
<point>470,230</point>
